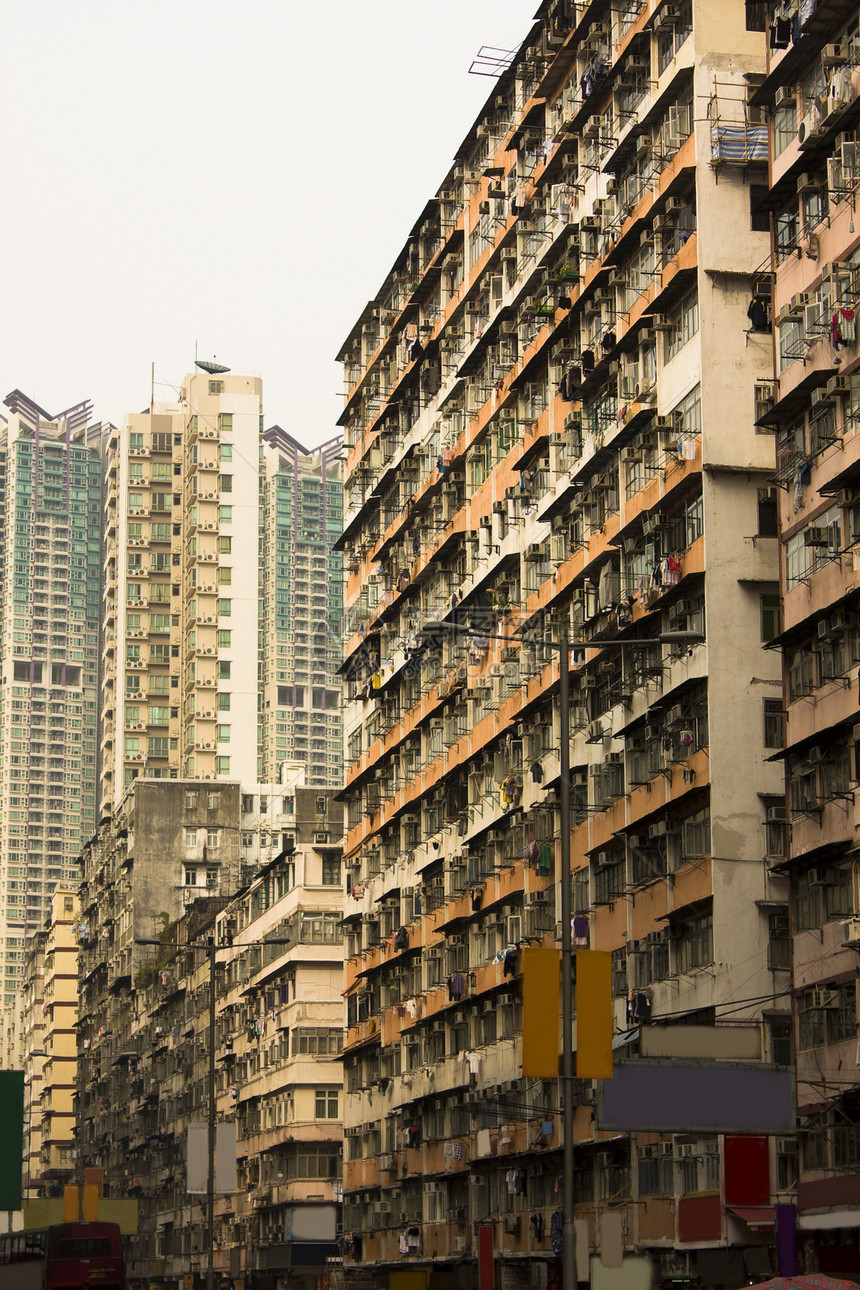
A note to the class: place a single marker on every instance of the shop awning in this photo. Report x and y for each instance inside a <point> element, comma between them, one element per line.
<point>757,1220</point>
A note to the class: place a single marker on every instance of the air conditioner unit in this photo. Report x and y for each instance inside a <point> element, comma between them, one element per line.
<point>784,95</point>
<point>835,55</point>
<point>816,535</point>
<point>661,322</point>
<point>686,1150</point>
<point>825,998</point>
<point>786,1146</point>
<point>817,876</point>
<point>809,131</point>
<point>851,932</point>
<point>409,819</point>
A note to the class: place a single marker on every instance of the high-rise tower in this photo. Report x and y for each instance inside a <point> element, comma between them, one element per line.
<point>50,507</point>
<point>301,510</point>
<point>182,587</point>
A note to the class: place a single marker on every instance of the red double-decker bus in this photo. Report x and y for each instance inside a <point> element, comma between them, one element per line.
<point>66,1256</point>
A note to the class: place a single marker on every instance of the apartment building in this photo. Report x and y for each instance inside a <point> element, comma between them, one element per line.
<point>812,87</point>
<point>178,863</point>
<point>551,417</point>
<point>30,1043</point>
<point>49,1048</point>
<point>181,587</point>
<point>301,608</point>
<point>50,505</point>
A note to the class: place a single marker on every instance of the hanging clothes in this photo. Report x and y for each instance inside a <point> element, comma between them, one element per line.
<point>401,938</point>
<point>580,930</point>
<point>536,771</point>
<point>456,986</point>
<point>544,861</point>
<point>758,314</point>
<point>536,1226</point>
<point>843,328</point>
<point>510,960</point>
<point>556,1233</point>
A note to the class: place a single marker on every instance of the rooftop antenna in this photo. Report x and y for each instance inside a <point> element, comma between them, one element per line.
<point>212,368</point>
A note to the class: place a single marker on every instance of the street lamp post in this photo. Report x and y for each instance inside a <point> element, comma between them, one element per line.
<point>563,645</point>
<point>211,952</point>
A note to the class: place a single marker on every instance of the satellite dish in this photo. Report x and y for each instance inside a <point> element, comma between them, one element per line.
<point>212,368</point>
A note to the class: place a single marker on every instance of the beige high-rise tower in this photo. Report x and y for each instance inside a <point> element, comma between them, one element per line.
<point>181,587</point>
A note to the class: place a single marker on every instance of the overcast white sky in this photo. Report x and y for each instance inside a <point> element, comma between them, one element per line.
<point>241,176</point>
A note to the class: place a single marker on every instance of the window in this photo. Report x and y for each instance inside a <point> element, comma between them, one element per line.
<point>771,617</point>
<point>801,672</point>
<point>225,544</point>
<point>767,513</point>
<point>226,513</point>
<point>222,765</point>
<point>226,452</point>
<point>695,943</point>
<point>838,901</point>
<point>827,1015</point>
<point>225,419</point>
<point>656,1174</point>
<point>685,323</point>
<point>223,734</point>
<point>223,702</point>
<point>774,724</point>
<point>759,213</point>
<point>779,944</point>
<point>225,576</point>
<point>321,1041</point>
<point>803,788</point>
<point>226,483</point>
<point>223,670</point>
<point>784,127</point>
<point>787,228</point>
<point>326,1104</point>
<point>331,871</point>
<point>224,638</point>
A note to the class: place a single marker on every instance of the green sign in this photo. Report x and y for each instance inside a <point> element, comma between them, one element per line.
<point>11,1138</point>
